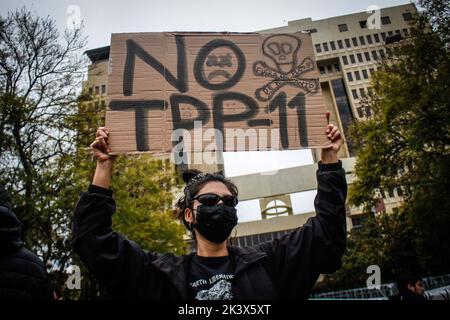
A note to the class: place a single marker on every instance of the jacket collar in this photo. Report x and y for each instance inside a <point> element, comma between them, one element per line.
<point>244,257</point>
<point>176,267</point>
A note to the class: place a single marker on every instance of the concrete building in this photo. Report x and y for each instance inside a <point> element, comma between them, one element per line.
<point>97,77</point>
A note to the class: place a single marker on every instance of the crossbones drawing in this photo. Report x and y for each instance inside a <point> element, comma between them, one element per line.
<point>282,49</point>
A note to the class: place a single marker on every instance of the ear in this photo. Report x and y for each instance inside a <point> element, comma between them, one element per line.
<point>188,215</point>
<point>411,287</point>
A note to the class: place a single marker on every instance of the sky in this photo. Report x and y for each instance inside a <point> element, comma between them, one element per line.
<point>101,18</point>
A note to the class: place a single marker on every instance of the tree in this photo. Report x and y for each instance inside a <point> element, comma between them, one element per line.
<point>144,190</point>
<point>40,76</point>
<point>405,144</point>
<point>389,241</point>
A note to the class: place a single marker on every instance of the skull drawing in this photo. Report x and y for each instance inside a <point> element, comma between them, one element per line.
<point>282,49</point>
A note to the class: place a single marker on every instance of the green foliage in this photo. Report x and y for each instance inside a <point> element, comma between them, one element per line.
<point>390,241</point>
<point>143,189</point>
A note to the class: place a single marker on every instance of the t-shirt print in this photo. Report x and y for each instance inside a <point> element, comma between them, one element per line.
<point>210,278</point>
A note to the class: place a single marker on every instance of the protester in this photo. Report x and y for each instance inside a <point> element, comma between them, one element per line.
<point>285,268</point>
<point>22,274</point>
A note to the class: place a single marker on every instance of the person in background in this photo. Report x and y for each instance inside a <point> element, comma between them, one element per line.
<point>23,275</point>
<point>410,288</point>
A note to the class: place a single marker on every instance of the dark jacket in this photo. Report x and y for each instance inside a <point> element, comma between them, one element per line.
<point>22,274</point>
<point>285,268</point>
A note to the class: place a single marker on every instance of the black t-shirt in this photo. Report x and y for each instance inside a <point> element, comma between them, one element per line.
<point>210,278</point>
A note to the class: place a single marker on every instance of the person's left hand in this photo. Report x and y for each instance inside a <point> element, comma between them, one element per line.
<point>329,155</point>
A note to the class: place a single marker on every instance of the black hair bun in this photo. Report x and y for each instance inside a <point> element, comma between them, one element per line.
<point>189,174</point>
<point>220,173</point>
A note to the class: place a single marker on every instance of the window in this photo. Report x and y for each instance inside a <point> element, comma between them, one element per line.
<point>369,39</point>
<point>405,32</point>
<point>382,55</point>
<point>376,37</point>
<point>103,88</point>
<point>97,89</point>
<point>343,107</point>
<point>329,68</point>
<point>399,191</point>
<point>318,48</point>
<point>374,55</point>
<point>362,92</point>
<point>383,195</point>
<point>407,16</point>
<point>355,94</point>
<point>360,59</point>
<point>365,74</point>
<point>362,40</point>
<point>336,67</point>
<point>314,30</point>
<point>397,32</point>
<point>370,90</point>
<point>325,46</point>
<point>347,43</point>
<point>340,45</point>
<point>390,33</point>
<point>91,90</point>
<point>322,69</point>
<point>383,36</point>
<point>360,112</point>
<point>345,60</point>
<point>389,52</point>
<point>332,45</point>
<point>363,24</point>
<point>357,76</point>
<point>367,56</point>
<point>352,58</point>
<point>349,76</point>
<point>355,42</point>
<point>385,20</point>
<point>343,27</point>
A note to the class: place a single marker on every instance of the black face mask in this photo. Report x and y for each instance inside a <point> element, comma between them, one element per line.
<point>216,222</point>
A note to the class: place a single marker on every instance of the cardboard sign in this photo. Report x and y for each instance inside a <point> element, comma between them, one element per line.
<point>220,88</point>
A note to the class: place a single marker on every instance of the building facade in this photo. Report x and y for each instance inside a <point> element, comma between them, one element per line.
<point>348,50</point>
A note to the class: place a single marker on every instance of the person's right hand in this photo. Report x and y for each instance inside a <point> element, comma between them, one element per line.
<point>100,146</point>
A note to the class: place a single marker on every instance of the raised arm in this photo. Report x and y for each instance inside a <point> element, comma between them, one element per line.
<point>296,260</point>
<point>117,263</point>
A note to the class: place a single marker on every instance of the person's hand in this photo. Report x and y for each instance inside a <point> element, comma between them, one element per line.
<point>100,149</point>
<point>330,154</point>
<point>100,146</point>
